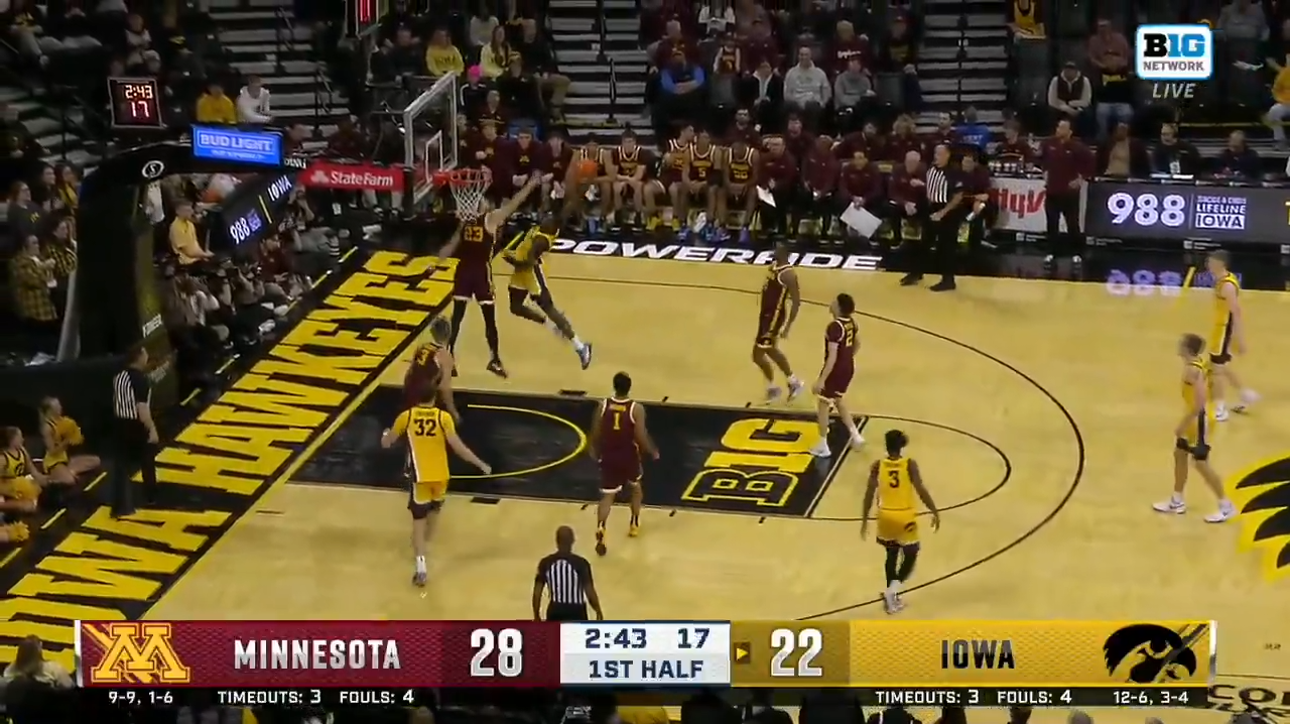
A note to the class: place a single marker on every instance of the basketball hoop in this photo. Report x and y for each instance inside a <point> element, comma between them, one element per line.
<point>468,186</point>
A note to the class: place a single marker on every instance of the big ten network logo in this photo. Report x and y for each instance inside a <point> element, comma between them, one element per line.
<point>1174,58</point>
<point>134,653</point>
<point>761,464</point>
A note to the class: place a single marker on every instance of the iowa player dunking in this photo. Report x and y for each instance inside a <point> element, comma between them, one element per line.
<point>841,342</point>
<point>473,246</point>
<point>1227,336</point>
<point>428,375</point>
<point>528,281</point>
<point>779,303</point>
<point>1193,434</point>
<point>430,432</point>
<point>895,480</point>
<point>618,437</point>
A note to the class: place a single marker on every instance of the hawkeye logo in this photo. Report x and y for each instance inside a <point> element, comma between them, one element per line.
<point>134,653</point>
<point>1263,497</point>
<point>1148,653</point>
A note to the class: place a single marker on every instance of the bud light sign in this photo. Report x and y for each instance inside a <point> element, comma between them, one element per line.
<point>1174,52</point>
<point>226,144</point>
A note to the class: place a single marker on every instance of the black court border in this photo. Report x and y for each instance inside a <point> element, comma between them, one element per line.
<point>1081,449</point>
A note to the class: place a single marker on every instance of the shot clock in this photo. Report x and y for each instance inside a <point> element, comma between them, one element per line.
<point>136,102</point>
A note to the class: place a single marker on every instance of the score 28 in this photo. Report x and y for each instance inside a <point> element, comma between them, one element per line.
<point>497,653</point>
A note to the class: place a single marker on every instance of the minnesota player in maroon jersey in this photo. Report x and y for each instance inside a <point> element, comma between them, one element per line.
<point>841,341</point>
<point>780,300</point>
<point>672,174</point>
<point>738,186</point>
<point>618,437</point>
<point>700,172</point>
<point>473,245</point>
<point>525,159</point>
<point>428,375</point>
<point>630,164</point>
<point>555,165</point>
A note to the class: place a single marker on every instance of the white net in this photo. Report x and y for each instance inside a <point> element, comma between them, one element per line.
<point>468,186</point>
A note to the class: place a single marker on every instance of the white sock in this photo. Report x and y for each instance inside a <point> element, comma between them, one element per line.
<point>1224,503</point>
<point>1176,499</point>
<point>551,325</point>
<point>1220,406</point>
<point>893,588</point>
<point>792,380</point>
<point>421,564</point>
<point>577,343</point>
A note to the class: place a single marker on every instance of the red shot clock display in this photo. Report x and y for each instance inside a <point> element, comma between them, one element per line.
<point>136,102</point>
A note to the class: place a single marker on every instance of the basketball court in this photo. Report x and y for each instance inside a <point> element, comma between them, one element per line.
<point>1040,412</point>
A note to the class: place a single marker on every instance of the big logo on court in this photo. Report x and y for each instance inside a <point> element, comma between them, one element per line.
<point>1263,497</point>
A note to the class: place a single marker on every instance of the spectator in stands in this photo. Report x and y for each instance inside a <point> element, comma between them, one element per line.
<point>25,216</point>
<point>348,142</point>
<point>474,95</point>
<point>24,24</point>
<point>1013,148</point>
<point>73,28</point>
<point>59,246</point>
<point>1173,155</point>
<point>724,84</point>
<point>853,97</point>
<point>1242,21</point>
<point>496,56</point>
<point>904,138</point>
<point>540,62</point>
<point>1113,101</point>
<point>68,188</point>
<point>401,57</point>
<point>216,107</point>
<point>1280,110</point>
<point>716,19</point>
<point>493,111</point>
<point>1108,49</point>
<point>747,14</point>
<point>31,276</point>
<point>278,270</point>
<point>943,134</point>
<point>759,46</point>
<point>183,236</point>
<point>1123,156</point>
<point>35,688</point>
<point>482,24</point>
<point>682,84</point>
<point>661,52</point>
<point>253,102</point>
<point>519,91</point>
<point>767,95</point>
<point>137,40</point>
<point>442,57</point>
<point>1238,160</point>
<point>846,44</point>
<point>970,131</point>
<point>315,245</point>
<point>42,188</point>
<point>16,142</point>
<point>817,203</point>
<point>798,141</point>
<point>1069,96</point>
<point>899,54</point>
<point>806,88</point>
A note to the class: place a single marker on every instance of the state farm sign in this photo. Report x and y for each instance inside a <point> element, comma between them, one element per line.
<point>348,177</point>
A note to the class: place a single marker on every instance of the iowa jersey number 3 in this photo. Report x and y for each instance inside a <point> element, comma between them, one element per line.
<point>497,653</point>
<point>806,643</point>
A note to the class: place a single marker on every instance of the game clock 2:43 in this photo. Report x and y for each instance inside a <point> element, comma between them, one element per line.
<point>136,102</point>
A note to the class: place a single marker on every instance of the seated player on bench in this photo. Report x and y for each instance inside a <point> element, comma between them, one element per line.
<point>700,172</point>
<point>737,187</point>
<point>555,164</point>
<point>630,164</point>
<point>526,163</point>
<point>672,172</point>
<point>585,185</point>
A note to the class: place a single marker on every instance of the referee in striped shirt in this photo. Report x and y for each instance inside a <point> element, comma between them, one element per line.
<point>943,186</point>
<point>567,576</point>
<point>134,432</point>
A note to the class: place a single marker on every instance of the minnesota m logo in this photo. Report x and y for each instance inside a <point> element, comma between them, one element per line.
<point>135,652</point>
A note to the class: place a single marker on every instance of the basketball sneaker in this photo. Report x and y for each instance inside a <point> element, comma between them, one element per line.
<point>1174,505</point>
<point>495,366</point>
<point>1226,511</point>
<point>1248,397</point>
<point>821,449</point>
<point>600,541</point>
<point>772,393</point>
<point>891,601</point>
<point>634,531</point>
<point>584,355</point>
<point>795,388</point>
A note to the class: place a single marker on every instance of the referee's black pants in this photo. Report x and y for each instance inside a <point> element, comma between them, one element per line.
<point>567,612</point>
<point>938,253</point>
<point>133,452</point>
